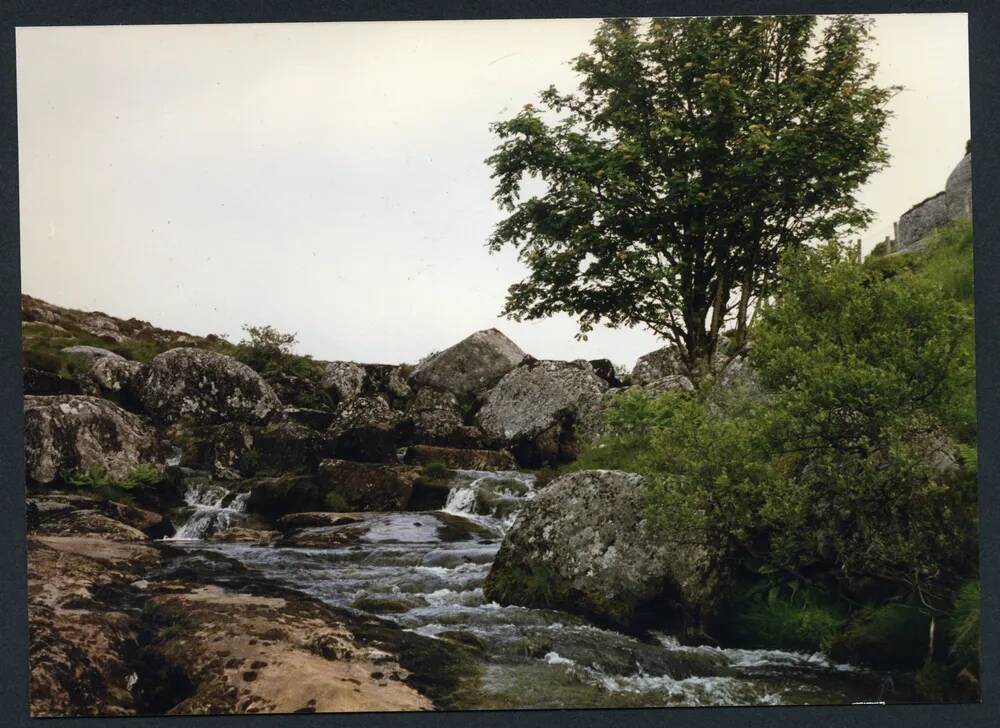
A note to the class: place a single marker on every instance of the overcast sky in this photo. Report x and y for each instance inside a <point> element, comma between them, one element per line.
<point>329,178</point>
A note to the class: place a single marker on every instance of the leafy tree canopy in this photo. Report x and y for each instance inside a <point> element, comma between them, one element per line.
<point>694,152</point>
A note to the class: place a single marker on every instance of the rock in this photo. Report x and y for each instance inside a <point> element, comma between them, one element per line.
<point>102,326</point>
<point>460,459</point>
<point>343,380</point>
<point>314,520</point>
<point>109,376</point>
<point>958,190</point>
<point>670,383</point>
<point>298,391</point>
<point>39,382</point>
<point>471,366</point>
<point>438,420</point>
<point>386,380</point>
<point>286,447</point>
<point>273,497</point>
<point>37,310</point>
<point>656,365</point>
<point>69,432</point>
<point>238,534</point>
<point>582,545</point>
<point>370,487</point>
<point>920,221</point>
<point>318,419</point>
<point>92,353</point>
<point>534,408</point>
<point>261,653</point>
<point>81,625</point>
<point>606,371</point>
<point>204,387</point>
<point>91,523</point>
<point>368,429</point>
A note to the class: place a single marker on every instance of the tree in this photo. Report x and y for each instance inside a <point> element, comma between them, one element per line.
<point>694,153</point>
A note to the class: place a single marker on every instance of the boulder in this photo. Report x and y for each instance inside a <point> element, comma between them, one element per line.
<point>370,486</point>
<point>460,458</point>
<point>605,369</point>
<point>315,519</point>
<point>110,376</point>
<point>318,419</point>
<point>91,353</point>
<point>533,409</point>
<point>68,432</point>
<point>343,380</point>
<point>368,429</point>
<point>582,545</point>
<point>917,223</point>
<point>438,420</point>
<point>204,387</point>
<point>656,365</point>
<point>239,534</point>
<point>471,366</point>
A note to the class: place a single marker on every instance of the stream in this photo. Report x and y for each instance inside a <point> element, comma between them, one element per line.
<point>424,570</point>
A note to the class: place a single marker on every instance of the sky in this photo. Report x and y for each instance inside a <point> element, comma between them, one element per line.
<point>329,178</point>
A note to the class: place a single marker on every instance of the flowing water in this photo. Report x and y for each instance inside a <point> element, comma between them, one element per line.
<point>425,570</point>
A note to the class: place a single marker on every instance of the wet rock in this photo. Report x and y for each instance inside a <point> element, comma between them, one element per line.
<point>315,519</point>
<point>461,459</point>
<point>91,523</point>
<point>582,545</point>
<point>368,429</point>
<point>204,387</point>
<point>69,432</point>
<point>471,366</point>
<point>238,534</point>
<point>80,624</point>
<point>278,496</point>
<point>533,409</point>
<point>369,486</point>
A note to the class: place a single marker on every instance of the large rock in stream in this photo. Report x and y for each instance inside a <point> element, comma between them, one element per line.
<point>535,407</point>
<point>204,387</point>
<point>583,545</point>
<point>471,366</point>
<point>69,432</point>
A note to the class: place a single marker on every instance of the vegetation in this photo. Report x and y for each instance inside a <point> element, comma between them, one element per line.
<point>298,379</point>
<point>844,469</point>
<point>98,482</point>
<point>695,152</point>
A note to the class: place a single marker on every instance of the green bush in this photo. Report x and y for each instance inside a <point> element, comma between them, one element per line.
<point>772,620</point>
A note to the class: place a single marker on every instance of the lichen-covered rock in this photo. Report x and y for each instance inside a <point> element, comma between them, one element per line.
<point>460,458</point>
<point>656,365</point>
<point>343,380</point>
<point>533,409</point>
<point>369,486</point>
<point>368,429</point>
<point>582,545</point>
<point>920,220</point>
<point>438,420</point>
<point>68,432</point>
<point>111,376</point>
<point>471,366</point>
<point>81,624</point>
<point>93,353</point>
<point>204,387</point>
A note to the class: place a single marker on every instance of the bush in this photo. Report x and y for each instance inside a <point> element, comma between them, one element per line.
<point>297,379</point>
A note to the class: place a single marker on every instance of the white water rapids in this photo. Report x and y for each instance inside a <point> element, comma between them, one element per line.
<point>425,570</point>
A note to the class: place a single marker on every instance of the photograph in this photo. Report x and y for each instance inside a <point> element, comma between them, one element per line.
<point>464,365</point>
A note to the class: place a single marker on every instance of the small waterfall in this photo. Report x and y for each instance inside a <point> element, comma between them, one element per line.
<point>211,509</point>
<point>492,498</point>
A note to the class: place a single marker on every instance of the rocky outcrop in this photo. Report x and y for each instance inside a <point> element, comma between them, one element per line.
<point>204,387</point>
<point>343,380</point>
<point>68,432</point>
<point>460,458</point>
<point>369,430</point>
<point>582,545</point>
<point>81,624</point>
<point>955,202</point>
<point>347,380</point>
<point>533,409</point>
<point>471,366</point>
<point>369,486</point>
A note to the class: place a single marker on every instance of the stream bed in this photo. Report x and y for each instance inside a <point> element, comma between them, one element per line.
<point>424,571</point>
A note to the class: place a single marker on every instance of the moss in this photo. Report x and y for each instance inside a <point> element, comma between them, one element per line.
<point>381,606</point>
<point>437,471</point>
<point>336,502</point>
<point>933,682</point>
